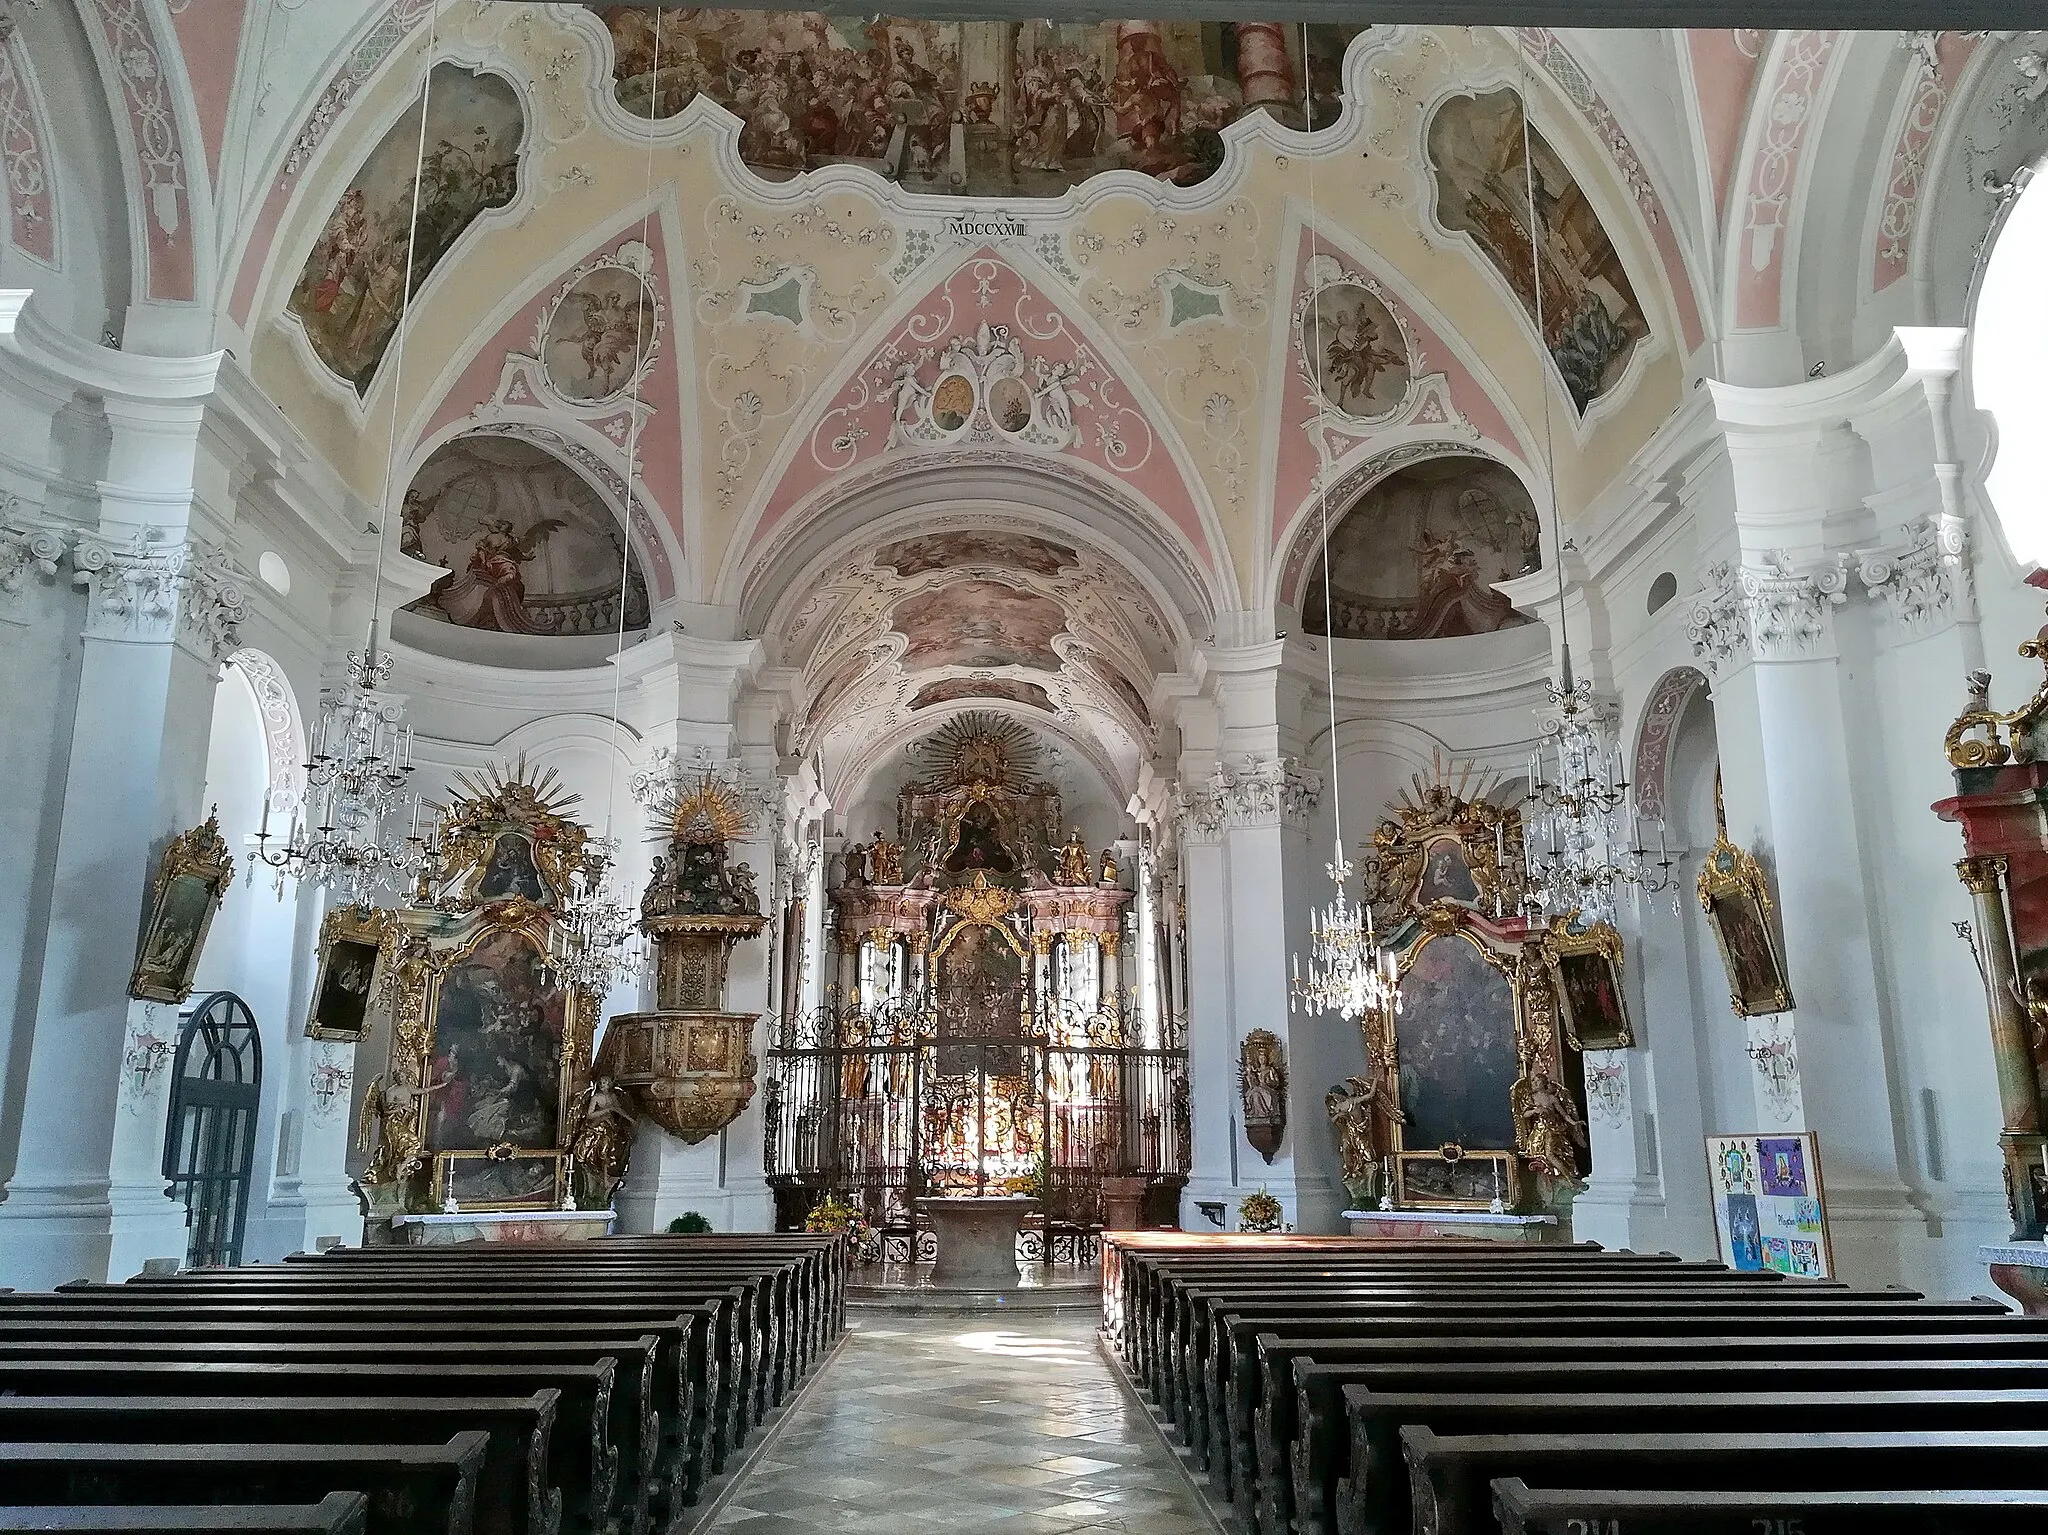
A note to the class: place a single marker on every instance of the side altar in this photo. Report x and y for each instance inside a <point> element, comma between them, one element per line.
<point>1470,1116</point>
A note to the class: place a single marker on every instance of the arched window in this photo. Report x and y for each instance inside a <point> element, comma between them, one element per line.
<point>2009,335</point>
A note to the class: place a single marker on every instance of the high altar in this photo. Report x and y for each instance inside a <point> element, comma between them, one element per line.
<point>983,1033</point>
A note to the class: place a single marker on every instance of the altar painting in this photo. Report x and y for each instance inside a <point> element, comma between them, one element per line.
<point>352,288</point>
<point>1044,105</point>
<point>1455,1044</point>
<point>1417,556</point>
<point>529,546</point>
<point>1591,319</point>
<point>497,1031</point>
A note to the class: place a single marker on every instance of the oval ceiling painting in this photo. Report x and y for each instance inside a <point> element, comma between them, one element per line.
<point>528,546</point>
<point>1417,556</point>
<point>1355,351</point>
<point>601,334</point>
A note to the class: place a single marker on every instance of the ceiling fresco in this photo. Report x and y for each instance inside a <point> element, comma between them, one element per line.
<point>1590,318</point>
<point>1002,109</point>
<point>965,689</point>
<point>1417,556</point>
<point>352,289</point>
<point>528,546</point>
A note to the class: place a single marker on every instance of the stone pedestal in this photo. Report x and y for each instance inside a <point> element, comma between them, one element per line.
<point>1123,1201</point>
<point>977,1240</point>
<point>2020,1269</point>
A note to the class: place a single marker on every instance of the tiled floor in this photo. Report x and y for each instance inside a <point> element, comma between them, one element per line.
<point>996,1426</point>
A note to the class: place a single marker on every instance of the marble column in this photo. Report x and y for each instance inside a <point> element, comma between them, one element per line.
<point>1265,71</point>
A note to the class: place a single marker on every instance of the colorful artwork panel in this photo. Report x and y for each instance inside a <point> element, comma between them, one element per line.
<point>1455,1039</point>
<point>1076,98</point>
<point>1590,319</point>
<point>530,548</point>
<point>1446,876</point>
<point>354,285</point>
<point>1769,1210</point>
<point>1355,351</point>
<point>952,551</point>
<point>1416,557</point>
<point>979,624</point>
<point>498,1024</point>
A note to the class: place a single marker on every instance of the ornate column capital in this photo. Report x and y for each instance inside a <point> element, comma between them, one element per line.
<point>1766,612</point>
<point>1268,791</point>
<point>1982,874</point>
<point>156,592</point>
<point>1925,579</point>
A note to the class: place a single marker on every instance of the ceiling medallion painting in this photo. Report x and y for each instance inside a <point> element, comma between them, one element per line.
<point>1353,348</point>
<point>529,547</point>
<point>1417,556</point>
<point>1591,319</point>
<point>993,108</point>
<point>600,334</point>
<point>350,292</point>
<point>986,392</point>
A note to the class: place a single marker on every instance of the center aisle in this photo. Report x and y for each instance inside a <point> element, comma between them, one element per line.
<point>996,1426</point>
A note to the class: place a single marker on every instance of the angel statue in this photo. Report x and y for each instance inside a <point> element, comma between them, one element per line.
<point>886,858</point>
<point>744,894</point>
<point>1354,1106</point>
<point>1547,1125</point>
<point>393,1108</point>
<point>600,1139</point>
<point>1111,874</point>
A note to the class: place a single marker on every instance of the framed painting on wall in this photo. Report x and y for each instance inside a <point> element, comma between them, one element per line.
<point>1455,1179</point>
<point>191,878</point>
<point>1587,966</point>
<point>351,938</point>
<point>1737,900</point>
<point>1770,1211</point>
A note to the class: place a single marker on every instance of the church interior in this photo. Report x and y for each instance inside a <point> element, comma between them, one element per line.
<point>779,771</point>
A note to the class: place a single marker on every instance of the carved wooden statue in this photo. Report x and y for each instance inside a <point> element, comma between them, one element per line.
<point>1073,861</point>
<point>1548,1130</point>
<point>1262,1090</point>
<point>1355,1105</point>
<point>886,860</point>
<point>601,1139</point>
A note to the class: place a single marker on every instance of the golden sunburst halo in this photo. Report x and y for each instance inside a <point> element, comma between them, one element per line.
<point>700,809</point>
<point>981,748</point>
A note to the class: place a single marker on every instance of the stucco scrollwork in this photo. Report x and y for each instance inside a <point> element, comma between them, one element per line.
<point>151,589</point>
<point>1767,612</point>
<point>29,548</point>
<point>1924,580</point>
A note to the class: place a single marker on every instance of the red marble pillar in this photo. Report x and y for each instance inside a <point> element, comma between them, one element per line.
<point>1265,70</point>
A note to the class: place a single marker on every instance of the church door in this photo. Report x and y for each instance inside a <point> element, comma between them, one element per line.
<point>210,1140</point>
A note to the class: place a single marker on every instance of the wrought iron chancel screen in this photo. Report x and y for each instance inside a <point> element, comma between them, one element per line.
<point>210,1137</point>
<point>970,1094</point>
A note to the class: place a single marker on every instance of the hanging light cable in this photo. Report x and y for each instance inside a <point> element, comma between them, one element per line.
<point>360,764</point>
<point>593,942</point>
<point>1349,972</point>
<point>1582,838</point>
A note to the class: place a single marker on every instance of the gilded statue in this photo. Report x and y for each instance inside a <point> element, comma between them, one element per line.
<point>1073,861</point>
<point>854,863</point>
<point>1354,1106</point>
<point>392,1108</point>
<point>601,1139</point>
<point>1548,1129</point>
<point>886,859</point>
<point>1111,874</point>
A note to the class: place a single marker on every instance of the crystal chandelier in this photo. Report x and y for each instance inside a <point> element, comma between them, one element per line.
<point>1349,972</point>
<point>356,782</point>
<point>594,942</point>
<point>1576,852</point>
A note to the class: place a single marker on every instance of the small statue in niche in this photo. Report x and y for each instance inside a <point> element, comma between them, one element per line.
<point>854,863</point>
<point>1111,874</point>
<point>601,1140</point>
<point>1262,1091</point>
<point>1547,1125</point>
<point>1355,1105</point>
<point>1073,861</point>
<point>886,857</point>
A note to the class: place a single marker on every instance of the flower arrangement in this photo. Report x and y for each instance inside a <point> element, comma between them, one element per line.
<point>689,1223</point>
<point>833,1214</point>
<point>1259,1212</point>
<point>1031,1185</point>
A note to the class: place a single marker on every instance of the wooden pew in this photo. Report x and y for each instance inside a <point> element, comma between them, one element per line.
<point>633,1432</point>
<point>339,1513</point>
<point>1448,1476</point>
<point>1375,1497</point>
<point>413,1489</point>
<point>1294,1370</point>
<point>513,1493</point>
<point>1521,1510</point>
<point>578,1471</point>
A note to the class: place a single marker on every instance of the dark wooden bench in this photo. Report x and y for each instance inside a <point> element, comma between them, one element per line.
<point>1521,1510</point>
<point>514,1496</point>
<point>579,1471</point>
<point>1448,1477</point>
<point>339,1513</point>
<point>1375,1496</point>
<point>1266,1421</point>
<point>413,1489</point>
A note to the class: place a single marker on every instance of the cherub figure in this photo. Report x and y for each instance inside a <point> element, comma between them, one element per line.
<point>1353,1105</point>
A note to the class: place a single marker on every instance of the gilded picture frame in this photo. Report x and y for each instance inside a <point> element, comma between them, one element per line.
<point>191,880</point>
<point>500,1178</point>
<point>353,943</point>
<point>1586,969</point>
<point>1736,898</point>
